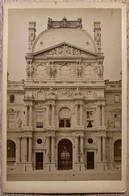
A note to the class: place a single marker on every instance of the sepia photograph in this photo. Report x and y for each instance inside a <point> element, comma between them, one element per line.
<point>64,96</point>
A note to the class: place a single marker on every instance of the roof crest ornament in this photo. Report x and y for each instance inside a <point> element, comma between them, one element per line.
<point>64,23</point>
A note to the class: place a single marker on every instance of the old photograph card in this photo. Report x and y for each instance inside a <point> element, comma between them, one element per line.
<point>64,97</point>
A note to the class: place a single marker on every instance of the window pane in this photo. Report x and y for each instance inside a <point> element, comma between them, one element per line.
<point>68,124</point>
<point>39,124</point>
<point>61,124</point>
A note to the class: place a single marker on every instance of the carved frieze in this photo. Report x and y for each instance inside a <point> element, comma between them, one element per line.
<point>65,50</point>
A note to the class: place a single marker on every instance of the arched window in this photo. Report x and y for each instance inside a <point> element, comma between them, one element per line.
<point>64,72</point>
<point>40,72</point>
<point>65,117</point>
<point>11,151</point>
<point>117,151</point>
<point>89,72</point>
<point>11,98</point>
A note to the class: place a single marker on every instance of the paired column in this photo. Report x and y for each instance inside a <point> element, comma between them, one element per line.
<point>18,150</point>
<point>76,114</point>
<point>82,149</point>
<point>103,114</point>
<point>104,149</point>
<point>30,115</point>
<point>53,115</point>
<point>76,149</point>
<point>99,149</point>
<point>47,149</point>
<point>110,149</point>
<point>53,148</point>
<point>80,114</point>
<point>30,150</point>
<point>26,116</point>
<point>47,115</point>
<point>98,115</point>
<point>24,150</point>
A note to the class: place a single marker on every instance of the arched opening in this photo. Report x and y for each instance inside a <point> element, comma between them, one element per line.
<point>64,154</point>
<point>117,152</point>
<point>11,151</point>
<point>65,117</point>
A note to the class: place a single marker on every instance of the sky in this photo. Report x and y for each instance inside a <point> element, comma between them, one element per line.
<point>18,22</point>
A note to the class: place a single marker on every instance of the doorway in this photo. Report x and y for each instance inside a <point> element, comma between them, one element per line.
<point>39,160</point>
<point>64,154</point>
<point>90,160</point>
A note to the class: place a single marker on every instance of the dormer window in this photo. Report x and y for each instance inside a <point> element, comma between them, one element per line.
<point>11,99</point>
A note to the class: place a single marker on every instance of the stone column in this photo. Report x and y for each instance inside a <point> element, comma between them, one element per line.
<point>53,149</point>
<point>99,149</point>
<point>47,116</point>
<point>82,148</point>
<point>81,113</point>
<point>111,151</point>
<point>76,114</point>
<point>103,115</point>
<point>30,150</point>
<point>30,115</point>
<point>104,149</point>
<point>98,114</point>
<point>53,115</point>
<point>18,151</point>
<point>76,149</point>
<point>26,115</point>
<point>47,149</point>
<point>24,150</point>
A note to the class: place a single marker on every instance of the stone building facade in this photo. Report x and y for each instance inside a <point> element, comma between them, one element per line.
<point>64,116</point>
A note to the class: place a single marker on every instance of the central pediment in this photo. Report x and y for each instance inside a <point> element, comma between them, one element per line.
<point>64,50</point>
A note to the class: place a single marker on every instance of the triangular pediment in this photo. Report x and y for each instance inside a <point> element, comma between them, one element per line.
<point>65,50</point>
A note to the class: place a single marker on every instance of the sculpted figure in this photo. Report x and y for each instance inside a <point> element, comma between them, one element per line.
<point>52,71</point>
<point>19,123</point>
<point>28,70</point>
<point>79,71</point>
<point>100,70</point>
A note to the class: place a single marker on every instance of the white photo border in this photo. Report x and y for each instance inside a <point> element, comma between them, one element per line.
<point>65,186</point>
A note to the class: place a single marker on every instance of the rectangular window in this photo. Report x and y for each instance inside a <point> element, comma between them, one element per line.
<point>89,119</point>
<point>39,119</point>
<point>65,123</point>
<point>117,99</point>
<point>11,121</point>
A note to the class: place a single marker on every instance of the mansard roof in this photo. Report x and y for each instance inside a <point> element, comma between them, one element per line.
<point>64,31</point>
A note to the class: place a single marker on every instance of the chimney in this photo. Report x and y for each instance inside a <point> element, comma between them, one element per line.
<point>97,35</point>
<point>32,35</point>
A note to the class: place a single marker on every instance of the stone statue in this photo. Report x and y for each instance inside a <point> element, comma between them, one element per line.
<point>100,70</point>
<point>28,70</point>
<point>79,71</point>
<point>53,71</point>
<point>77,92</point>
<point>19,123</point>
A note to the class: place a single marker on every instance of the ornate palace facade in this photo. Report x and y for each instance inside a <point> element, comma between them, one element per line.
<point>64,116</point>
